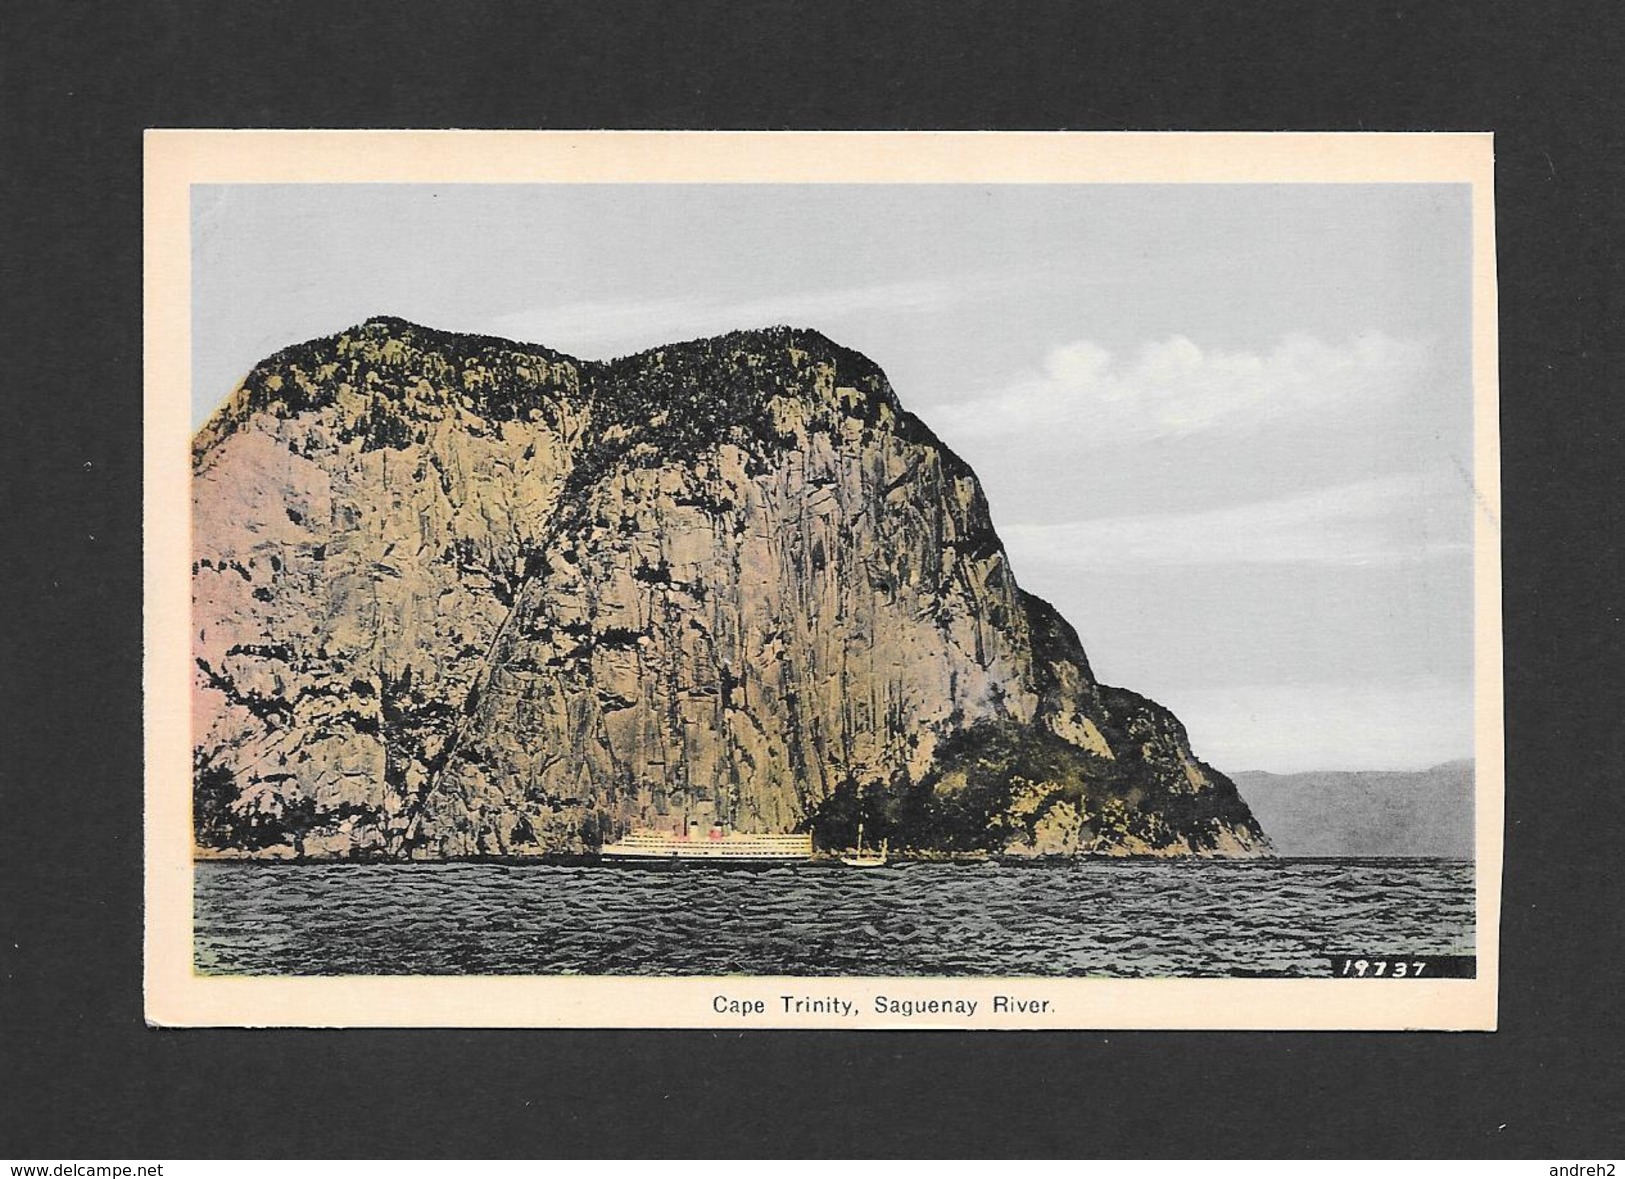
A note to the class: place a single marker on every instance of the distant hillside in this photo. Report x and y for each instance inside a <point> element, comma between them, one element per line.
<point>1365,813</point>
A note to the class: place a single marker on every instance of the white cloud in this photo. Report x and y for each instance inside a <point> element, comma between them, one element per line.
<point>1397,518</point>
<point>610,327</point>
<point>1174,387</point>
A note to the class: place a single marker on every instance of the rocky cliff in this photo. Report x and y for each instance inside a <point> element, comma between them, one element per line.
<point>461,596</point>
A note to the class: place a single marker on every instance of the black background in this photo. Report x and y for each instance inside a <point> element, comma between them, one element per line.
<point>83,1076</point>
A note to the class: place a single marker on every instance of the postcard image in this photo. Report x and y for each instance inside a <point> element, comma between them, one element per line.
<point>881,580</point>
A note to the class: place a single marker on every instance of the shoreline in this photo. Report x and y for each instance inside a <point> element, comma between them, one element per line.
<point>823,861</point>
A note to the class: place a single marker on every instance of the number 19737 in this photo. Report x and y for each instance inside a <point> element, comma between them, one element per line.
<point>1380,968</point>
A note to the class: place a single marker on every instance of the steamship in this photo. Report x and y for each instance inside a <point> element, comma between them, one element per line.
<point>696,841</point>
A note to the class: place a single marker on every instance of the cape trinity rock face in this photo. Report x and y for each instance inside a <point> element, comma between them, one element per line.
<point>461,596</point>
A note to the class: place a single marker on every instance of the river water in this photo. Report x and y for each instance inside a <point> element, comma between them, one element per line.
<point>1123,918</point>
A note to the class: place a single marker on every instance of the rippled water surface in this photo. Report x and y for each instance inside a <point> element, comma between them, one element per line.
<point>1090,917</point>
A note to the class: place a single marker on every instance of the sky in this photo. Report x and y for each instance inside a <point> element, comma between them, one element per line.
<point>1225,429</point>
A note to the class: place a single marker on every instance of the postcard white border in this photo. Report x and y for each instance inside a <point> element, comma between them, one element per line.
<point>175,160</point>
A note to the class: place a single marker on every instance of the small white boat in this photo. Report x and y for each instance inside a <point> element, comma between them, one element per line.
<point>865,859</point>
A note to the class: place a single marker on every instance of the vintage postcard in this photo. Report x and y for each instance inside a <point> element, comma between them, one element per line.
<point>793,580</point>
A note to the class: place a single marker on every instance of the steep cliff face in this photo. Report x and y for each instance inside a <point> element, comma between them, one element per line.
<point>460,596</point>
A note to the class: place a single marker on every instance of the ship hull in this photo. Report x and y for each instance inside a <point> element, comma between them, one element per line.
<point>733,847</point>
